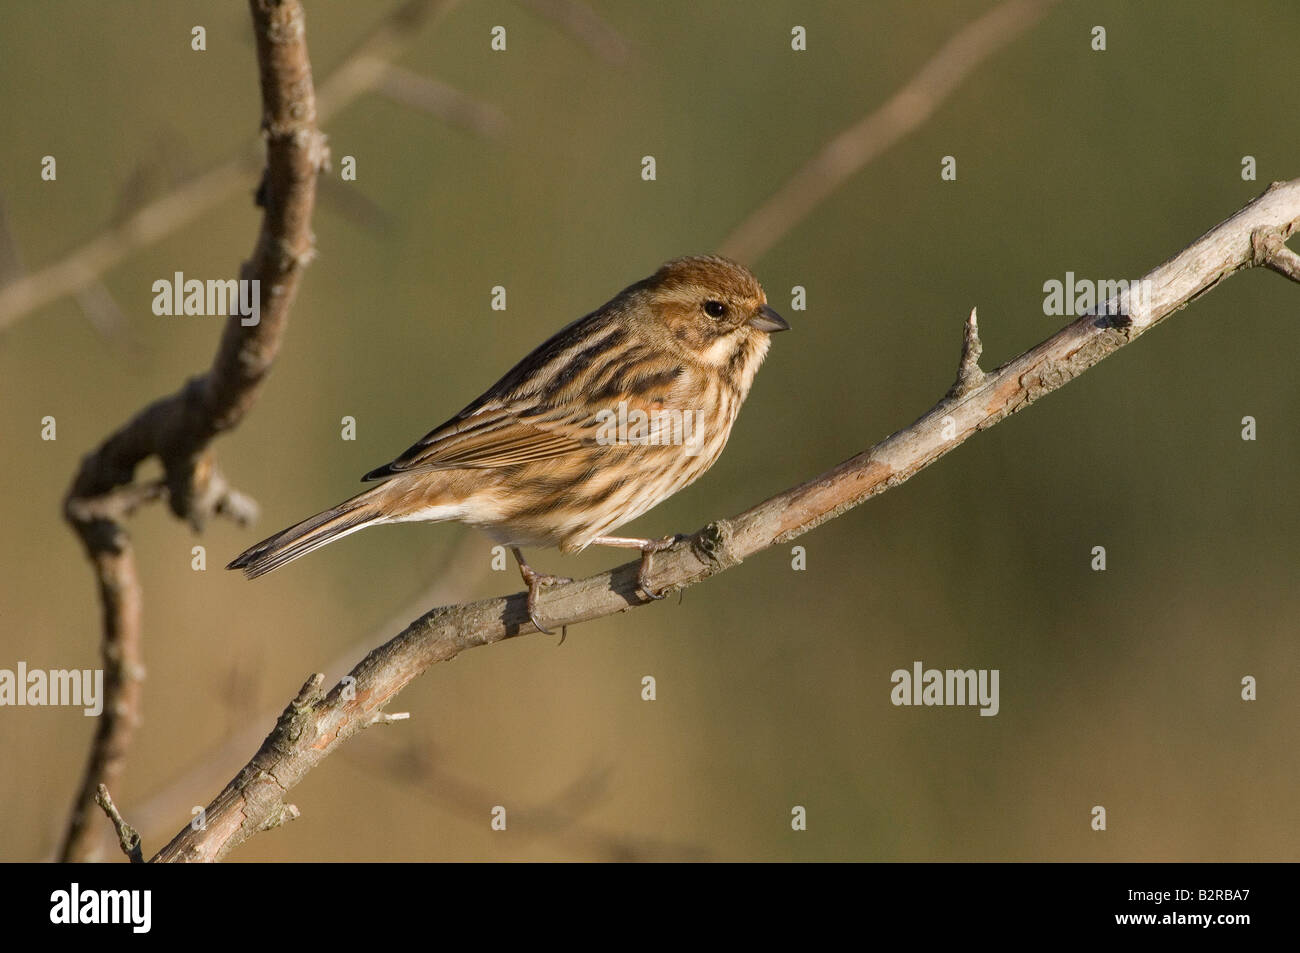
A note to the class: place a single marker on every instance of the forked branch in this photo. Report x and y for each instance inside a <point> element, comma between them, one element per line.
<point>179,428</point>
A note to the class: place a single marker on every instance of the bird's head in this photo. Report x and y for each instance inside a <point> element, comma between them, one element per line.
<point>715,311</point>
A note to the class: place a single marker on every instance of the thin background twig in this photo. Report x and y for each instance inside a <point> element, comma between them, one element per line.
<point>902,113</point>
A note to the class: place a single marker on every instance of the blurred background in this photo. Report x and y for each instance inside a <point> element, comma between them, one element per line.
<point>1118,688</point>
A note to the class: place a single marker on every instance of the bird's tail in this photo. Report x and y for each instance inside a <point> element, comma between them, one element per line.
<point>364,509</point>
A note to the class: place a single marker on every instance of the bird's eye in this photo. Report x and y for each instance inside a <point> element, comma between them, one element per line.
<point>714,309</point>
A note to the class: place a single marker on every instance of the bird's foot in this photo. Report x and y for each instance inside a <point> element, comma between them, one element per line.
<point>536,581</point>
<point>648,548</point>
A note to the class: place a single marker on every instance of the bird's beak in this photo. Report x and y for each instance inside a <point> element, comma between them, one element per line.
<point>768,320</point>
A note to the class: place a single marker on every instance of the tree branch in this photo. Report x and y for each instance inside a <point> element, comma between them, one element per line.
<point>178,429</point>
<point>316,723</point>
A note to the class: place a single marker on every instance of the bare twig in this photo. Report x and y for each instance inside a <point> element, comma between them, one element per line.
<point>440,100</point>
<point>582,22</point>
<point>969,375</point>
<point>316,722</point>
<point>906,110</point>
<point>119,596</point>
<point>128,838</point>
<point>1269,251</point>
<point>178,429</point>
<point>100,309</point>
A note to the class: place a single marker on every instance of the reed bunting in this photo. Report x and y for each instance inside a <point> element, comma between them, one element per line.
<point>611,415</point>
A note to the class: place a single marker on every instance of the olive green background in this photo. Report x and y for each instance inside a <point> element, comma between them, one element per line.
<point>1118,688</point>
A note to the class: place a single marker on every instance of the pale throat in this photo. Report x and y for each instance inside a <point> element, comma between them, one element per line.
<point>720,351</point>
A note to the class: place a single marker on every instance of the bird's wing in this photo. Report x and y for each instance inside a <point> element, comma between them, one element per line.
<point>489,437</point>
<point>537,411</point>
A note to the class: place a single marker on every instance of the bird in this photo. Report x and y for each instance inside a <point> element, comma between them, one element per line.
<point>611,415</point>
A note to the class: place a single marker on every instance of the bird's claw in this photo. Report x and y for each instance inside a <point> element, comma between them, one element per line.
<point>536,581</point>
<point>647,554</point>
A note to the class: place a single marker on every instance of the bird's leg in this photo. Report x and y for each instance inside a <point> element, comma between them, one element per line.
<point>535,580</point>
<point>648,548</point>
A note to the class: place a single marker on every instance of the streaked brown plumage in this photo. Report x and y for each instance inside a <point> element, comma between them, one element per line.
<point>537,460</point>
